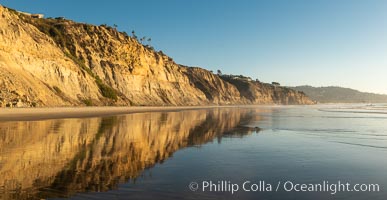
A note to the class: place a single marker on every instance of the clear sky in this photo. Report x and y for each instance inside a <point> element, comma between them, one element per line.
<point>294,42</point>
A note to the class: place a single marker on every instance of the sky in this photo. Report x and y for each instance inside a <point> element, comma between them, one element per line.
<point>294,42</point>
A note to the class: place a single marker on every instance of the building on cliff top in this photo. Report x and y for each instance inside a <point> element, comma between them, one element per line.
<point>237,77</point>
<point>38,16</point>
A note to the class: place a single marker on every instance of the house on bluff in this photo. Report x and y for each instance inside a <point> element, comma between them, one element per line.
<point>38,16</point>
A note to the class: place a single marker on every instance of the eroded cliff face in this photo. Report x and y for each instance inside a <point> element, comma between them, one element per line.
<point>57,62</point>
<point>32,65</point>
<point>256,92</point>
<point>57,158</point>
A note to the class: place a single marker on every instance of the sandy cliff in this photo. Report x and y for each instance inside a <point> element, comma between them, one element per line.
<point>58,62</point>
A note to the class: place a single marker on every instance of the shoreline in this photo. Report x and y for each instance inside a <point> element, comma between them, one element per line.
<point>47,113</point>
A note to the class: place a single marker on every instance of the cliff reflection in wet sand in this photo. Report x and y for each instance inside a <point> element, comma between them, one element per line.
<point>57,158</point>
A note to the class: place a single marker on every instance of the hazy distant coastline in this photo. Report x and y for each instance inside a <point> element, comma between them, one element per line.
<point>336,94</point>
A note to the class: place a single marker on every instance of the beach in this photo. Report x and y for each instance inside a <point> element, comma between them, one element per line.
<point>28,114</point>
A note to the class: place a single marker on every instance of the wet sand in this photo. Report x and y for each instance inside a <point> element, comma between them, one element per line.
<point>31,114</point>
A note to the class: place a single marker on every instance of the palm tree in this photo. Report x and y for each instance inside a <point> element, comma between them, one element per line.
<point>134,35</point>
<point>219,72</point>
<point>143,39</point>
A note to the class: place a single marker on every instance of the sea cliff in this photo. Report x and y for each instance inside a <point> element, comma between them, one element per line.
<point>58,62</point>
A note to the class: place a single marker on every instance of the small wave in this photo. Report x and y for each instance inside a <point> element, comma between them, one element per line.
<point>334,133</point>
<point>363,137</point>
<point>317,130</point>
<point>347,117</point>
<point>361,145</point>
<point>377,138</point>
<point>353,111</point>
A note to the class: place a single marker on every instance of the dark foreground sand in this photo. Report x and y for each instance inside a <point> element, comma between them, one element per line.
<point>26,114</point>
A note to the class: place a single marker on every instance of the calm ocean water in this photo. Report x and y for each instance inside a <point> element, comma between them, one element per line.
<point>200,154</point>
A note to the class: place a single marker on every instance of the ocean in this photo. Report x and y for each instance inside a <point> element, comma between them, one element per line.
<point>335,151</point>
